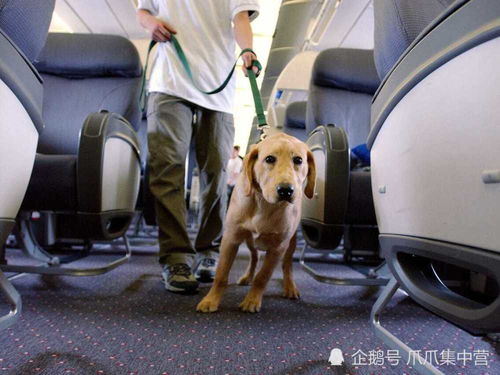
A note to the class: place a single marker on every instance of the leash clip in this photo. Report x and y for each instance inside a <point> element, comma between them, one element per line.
<point>263,131</point>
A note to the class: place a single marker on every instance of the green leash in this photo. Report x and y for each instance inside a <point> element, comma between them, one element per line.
<point>259,108</point>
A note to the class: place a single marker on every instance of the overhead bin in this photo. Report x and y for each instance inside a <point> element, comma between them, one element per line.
<point>279,58</point>
<point>293,22</point>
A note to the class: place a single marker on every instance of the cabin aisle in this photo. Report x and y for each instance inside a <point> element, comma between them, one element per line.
<point>126,323</point>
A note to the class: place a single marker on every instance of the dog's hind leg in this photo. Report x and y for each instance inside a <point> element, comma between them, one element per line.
<point>247,277</point>
<point>289,288</point>
<point>228,252</point>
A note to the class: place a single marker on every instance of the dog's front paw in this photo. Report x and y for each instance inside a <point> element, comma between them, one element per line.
<point>251,304</point>
<point>245,280</point>
<point>207,304</point>
<point>290,290</point>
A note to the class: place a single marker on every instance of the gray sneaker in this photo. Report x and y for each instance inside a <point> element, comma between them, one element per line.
<point>179,278</point>
<point>205,272</point>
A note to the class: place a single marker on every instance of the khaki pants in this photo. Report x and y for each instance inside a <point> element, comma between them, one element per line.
<point>172,123</point>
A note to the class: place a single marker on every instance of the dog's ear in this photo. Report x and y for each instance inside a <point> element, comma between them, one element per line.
<point>311,175</point>
<point>248,165</point>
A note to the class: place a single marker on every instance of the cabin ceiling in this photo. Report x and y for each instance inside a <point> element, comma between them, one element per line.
<point>98,16</point>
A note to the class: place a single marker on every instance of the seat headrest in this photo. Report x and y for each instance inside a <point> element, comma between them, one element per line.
<point>88,56</point>
<point>346,69</point>
<point>295,116</point>
<point>26,23</point>
<point>397,24</point>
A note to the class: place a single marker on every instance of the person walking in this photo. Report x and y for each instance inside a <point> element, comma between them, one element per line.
<point>177,112</point>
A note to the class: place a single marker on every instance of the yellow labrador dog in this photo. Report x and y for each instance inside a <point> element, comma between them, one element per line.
<point>265,212</point>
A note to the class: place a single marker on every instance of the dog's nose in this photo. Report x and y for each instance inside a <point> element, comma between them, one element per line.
<point>285,191</point>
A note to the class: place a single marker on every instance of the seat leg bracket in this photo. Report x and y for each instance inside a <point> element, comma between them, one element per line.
<point>372,280</point>
<point>413,357</point>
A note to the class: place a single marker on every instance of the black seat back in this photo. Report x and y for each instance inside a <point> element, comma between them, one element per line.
<point>295,120</point>
<point>26,23</point>
<point>342,84</point>
<point>397,25</point>
<point>86,73</point>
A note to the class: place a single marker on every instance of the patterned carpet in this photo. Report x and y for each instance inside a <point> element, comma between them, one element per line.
<point>124,322</point>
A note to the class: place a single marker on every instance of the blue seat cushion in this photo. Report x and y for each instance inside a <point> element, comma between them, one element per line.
<point>89,55</point>
<point>26,22</point>
<point>346,69</point>
<point>397,24</point>
<point>295,116</point>
<point>68,102</point>
<point>361,210</point>
<point>295,120</point>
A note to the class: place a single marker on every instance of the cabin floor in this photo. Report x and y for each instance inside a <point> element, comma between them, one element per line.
<point>125,322</point>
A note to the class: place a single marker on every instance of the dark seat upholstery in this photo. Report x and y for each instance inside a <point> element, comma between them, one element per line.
<point>397,24</point>
<point>85,73</point>
<point>23,29</point>
<point>360,209</point>
<point>26,22</point>
<point>295,120</point>
<point>342,85</point>
<point>54,179</point>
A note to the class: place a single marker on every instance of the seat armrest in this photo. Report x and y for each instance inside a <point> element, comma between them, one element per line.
<point>96,131</point>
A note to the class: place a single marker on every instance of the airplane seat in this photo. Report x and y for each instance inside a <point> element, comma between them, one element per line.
<point>88,175</point>
<point>87,170</point>
<point>342,84</point>
<point>84,73</point>
<point>23,29</point>
<point>434,154</point>
<point>295,120</point>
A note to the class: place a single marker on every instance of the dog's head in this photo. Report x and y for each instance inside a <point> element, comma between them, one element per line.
<point>280,167</point>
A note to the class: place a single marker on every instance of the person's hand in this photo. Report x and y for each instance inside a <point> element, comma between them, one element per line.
<point>248,58</point>
<point>160,30</point>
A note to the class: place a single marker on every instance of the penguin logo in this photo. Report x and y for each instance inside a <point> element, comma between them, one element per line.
<point>336,357</point>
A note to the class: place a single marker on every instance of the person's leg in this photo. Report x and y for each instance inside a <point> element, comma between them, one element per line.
<point>214,141</point>
<point>169,135</point>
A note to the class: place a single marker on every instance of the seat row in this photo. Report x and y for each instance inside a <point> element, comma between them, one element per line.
<point>71,142</point>
<point>416,120</point>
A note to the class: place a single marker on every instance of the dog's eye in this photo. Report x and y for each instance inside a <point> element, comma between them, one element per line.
<point>297,160</point>
<point>270,159</point>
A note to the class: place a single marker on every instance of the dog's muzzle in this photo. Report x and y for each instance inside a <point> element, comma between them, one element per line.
<point>285,192</point>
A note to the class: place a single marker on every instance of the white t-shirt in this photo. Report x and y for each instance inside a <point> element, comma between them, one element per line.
<point>205,32</point>
<point>234,165</point>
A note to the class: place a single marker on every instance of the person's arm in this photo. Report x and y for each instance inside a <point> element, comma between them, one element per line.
<point>244,37</point>
<point>160,30</point>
